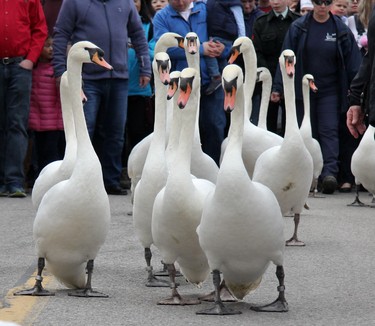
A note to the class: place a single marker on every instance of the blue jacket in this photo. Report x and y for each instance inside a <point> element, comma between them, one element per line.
<point>106,23</point>
<point>169,20</point>
<point>347,52</point>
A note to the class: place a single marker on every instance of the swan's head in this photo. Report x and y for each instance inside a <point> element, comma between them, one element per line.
<point>189,84</point>
<point>87,52</point>
<point>192,43</point>
<point>287,62</point>
<point>161,66</point>
<point>173,83</point>
<point>263,75</point>
<point>309,81</point>
<point>240,45</point>
<point>232,80</point>
<point>169,40</point>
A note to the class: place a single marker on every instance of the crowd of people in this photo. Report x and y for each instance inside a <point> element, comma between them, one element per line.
<point>329,38</point>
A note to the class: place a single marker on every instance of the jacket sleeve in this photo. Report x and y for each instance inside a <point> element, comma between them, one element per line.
<point>140,44</point>
<point>63,31</point>
<point>38,31</point>
<point>359,82</point>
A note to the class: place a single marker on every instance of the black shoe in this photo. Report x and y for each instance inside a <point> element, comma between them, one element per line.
<point>213,86</point>
<point>116,191</point>
<point>329,184</point>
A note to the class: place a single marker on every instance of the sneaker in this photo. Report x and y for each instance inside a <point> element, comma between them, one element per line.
<point>4,191</point>
<point>116,190</point>
<point>213,86</point>
<point>16,192</point>
<point>329,184</point>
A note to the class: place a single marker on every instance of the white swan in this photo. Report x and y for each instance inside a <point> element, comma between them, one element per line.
<point>202,165</point>
<point>60,170</point>
<point>241,230</point>
<point>138,154</point>
<point>311,143</point>
<point>255,139</point>
<point>73,217</point>
<point>264,76</point>
<point>154,174</point>
<point>363,164</point>
<point>178,206</point>
<point>287,169</point>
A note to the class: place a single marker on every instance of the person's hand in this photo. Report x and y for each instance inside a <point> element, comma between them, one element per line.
<point>143,81</point>
<point>275,97</point>
<point>355,121</point>
<point>27,64</point>
<point>213,49</point>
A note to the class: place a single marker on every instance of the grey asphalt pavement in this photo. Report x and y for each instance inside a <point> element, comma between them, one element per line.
<point>331,281</point>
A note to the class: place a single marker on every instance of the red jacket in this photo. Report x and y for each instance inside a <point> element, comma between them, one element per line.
<point>23,29</point>
<point>45,107</point>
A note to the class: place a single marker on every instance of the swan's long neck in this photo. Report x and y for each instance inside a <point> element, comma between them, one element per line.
<point>174,133</point>
<point>306,124</point>
<point>85,151</point>
<point>182,162</point>
<point>68,121</point>
<point>250,61</point>
<point>235,134</point>
<point>291,125</point>
<point>266,91</point>
<point>160,121</point>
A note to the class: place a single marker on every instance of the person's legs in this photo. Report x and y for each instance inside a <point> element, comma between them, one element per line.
<point>93,90</point>
<point>110,130</point>
<point>17,107</point>
<point>212,123</point>
<point>326,126</point>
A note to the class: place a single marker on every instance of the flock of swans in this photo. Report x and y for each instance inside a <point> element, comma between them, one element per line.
<point>227,220</point>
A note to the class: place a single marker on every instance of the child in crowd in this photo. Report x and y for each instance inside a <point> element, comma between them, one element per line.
<point>225,22</point>
<point>158,4</point>
<point>340,8</point>
<point>45,118</point>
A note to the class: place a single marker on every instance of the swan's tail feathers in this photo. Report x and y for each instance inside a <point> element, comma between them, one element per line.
<point>71,277</point>
<point>241,290</point>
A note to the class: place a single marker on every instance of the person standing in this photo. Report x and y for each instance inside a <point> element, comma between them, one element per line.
<point>23,31</point>
<point>268,35</point>
<point>45,118</point>
<point>182,17</point>
<point>109,24</point>
<point>324,47</point>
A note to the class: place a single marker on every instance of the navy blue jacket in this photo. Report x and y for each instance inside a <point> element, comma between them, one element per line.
<point>220,19</point>
<point>347,52</point>
<point>108,24</point>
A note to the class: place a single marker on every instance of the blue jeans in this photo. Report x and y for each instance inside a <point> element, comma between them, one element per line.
<point>15,89</point>
<point>105,113</point>
<point>212,123</point>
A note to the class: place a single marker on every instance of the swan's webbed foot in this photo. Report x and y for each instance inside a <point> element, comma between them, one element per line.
<point>154,282</point>
<point>164,271</point>
<point>276,306</point>
<point>177,300</point>
<point>219,309</point>
<point>294,242</point>
<point>357,203</point>
<point>225,295</point>
<point>280,304</point>
<point>87,293</point>
<point>38,289</point>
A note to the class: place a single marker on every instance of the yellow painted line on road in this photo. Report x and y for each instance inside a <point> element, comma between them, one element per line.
<point>24,309</point>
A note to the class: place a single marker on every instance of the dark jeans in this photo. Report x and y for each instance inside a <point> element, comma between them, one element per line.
<point>212,123</point>
<point>15,88</point>
<point>105,113</point>
<point>325,128</point>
